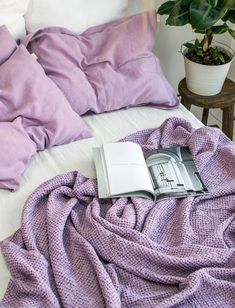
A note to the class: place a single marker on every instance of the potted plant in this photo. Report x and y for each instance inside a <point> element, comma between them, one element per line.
<point>206,62</point>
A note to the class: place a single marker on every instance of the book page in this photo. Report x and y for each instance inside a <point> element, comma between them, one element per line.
<point>103,187</point>
<point>126,168</point>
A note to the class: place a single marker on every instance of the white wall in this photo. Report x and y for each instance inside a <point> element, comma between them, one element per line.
<point>169,40</point>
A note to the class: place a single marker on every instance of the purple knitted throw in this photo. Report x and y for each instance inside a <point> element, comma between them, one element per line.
<point>74,250</point>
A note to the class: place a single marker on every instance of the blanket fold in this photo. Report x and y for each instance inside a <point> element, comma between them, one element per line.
<point>74,250</point>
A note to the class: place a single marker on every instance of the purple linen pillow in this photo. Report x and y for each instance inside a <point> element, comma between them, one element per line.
<point>34,113</point>
<point>46,114</point>
<point>16,150</point>
<point>106,68</point>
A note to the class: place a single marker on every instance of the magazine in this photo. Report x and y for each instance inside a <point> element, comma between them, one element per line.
<point>123,171</point>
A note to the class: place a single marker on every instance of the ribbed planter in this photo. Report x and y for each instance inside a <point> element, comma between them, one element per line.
<point>207,79</point>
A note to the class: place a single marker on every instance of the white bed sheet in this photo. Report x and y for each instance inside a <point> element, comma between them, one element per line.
<point>107,127</point>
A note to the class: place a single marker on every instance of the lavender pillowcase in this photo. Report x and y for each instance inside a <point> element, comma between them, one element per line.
<point>34,113</point>
<point>106,68</point>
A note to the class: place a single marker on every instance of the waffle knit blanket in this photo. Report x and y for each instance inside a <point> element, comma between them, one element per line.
<point>74,250</point>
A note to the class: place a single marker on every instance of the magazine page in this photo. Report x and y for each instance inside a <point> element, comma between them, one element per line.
<point>174,173</point>
<point>123,172</point>
<point>101,174</point>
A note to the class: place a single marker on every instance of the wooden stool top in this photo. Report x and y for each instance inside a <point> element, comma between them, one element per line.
<point>222,100</point>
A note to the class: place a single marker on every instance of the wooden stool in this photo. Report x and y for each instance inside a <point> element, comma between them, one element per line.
<point>224,100</point>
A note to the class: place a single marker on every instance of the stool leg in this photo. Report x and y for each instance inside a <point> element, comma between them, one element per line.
<point>185,103</point>
<point>228,118</point>
<point>205,116</point>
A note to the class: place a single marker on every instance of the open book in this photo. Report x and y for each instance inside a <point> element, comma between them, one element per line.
<point>123,171</point>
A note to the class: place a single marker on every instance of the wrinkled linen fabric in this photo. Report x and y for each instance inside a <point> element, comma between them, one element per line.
<point>107,67</point>
<point>34,113</point>
<point>16,149</point>
<point>74,250</point>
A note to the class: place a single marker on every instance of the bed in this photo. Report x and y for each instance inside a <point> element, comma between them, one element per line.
<point>74,156</point>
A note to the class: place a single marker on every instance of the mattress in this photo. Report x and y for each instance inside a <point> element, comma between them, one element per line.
<point>106,127</point>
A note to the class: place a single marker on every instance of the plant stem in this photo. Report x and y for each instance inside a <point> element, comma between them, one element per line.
<point>207,40</point>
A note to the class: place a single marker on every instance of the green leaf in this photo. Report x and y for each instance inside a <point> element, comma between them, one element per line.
<point>203,15</point>
<point>217,55</point>
<point>221,58</point>
<point>220,29</point>
<point>199,53</point>
<point>215,52</point>
<point>199,31</point>
<point>226,16</point>
<point>231,16</point>
<point>212,2</point>
<point>189,45</point>
<point>197,43</point>
<point>232,33</point>
<point>179,15</point>
<point>166,8</point>
<point>229,4</point>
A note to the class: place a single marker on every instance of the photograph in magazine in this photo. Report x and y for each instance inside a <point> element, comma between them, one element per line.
<point>174,173</point>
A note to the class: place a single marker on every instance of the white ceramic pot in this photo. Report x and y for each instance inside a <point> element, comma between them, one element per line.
<point>207,79</point>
